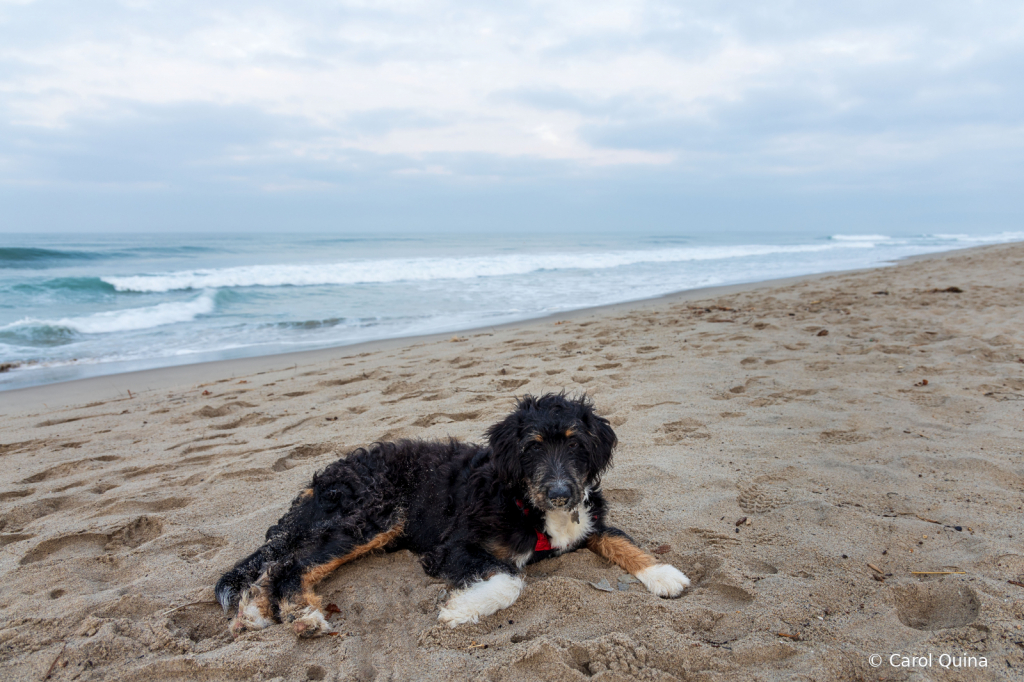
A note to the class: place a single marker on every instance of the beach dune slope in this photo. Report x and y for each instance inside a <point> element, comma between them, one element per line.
<point>836,463</point>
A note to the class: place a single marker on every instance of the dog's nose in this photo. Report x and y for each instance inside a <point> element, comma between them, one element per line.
<point>558,494</point>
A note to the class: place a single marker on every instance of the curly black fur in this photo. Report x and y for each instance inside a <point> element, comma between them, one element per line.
<point>469,511</point>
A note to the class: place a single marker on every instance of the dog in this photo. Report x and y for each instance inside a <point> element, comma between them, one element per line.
<point>474,514</point>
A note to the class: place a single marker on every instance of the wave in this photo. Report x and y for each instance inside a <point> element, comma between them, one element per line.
<point>30,335</point>
<point>426,269</point>
<point>312,324</point>
<point>861,238</point>
<point>931,240</point>
<point>27,257</point>
<point>1000,238</point>
<point>71,284</point>
<point>67,329</point>
<point>168,250</point>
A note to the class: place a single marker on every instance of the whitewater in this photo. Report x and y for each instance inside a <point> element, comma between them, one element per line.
<point>79,305</point>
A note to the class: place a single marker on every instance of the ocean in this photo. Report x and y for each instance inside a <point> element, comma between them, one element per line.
<point>75,305</point>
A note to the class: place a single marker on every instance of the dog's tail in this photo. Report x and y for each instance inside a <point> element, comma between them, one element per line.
<point>233,583</point>
<point>227,591</point>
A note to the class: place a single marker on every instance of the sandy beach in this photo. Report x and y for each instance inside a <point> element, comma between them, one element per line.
<point>837,463</point>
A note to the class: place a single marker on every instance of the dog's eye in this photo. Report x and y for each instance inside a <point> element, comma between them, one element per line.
<point>573,445</point>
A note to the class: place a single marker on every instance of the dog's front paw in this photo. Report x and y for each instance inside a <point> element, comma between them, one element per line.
<point>664,580</point>
<point>481,599</point>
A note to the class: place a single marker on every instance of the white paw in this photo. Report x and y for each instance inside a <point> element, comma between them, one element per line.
<point>664,580</point>
<point>250,616</point>
<point>309,622</point>
<point>482,598</point>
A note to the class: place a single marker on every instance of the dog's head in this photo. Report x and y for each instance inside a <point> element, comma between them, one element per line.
<point>556,446</point>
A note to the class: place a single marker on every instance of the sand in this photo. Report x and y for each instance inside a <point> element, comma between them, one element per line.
<point>797,449</point>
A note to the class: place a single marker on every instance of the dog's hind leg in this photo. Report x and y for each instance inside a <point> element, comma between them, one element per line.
<point>293,582</point>
<point>246,586</point>
<point>663,580</point>
<point>232,586</point>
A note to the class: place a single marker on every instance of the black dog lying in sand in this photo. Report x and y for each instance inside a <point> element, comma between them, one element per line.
<point>474,514</point>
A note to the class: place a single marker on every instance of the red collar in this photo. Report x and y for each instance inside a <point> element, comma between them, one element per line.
<point>543,543</point>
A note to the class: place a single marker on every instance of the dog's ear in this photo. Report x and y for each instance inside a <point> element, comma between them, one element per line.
<point>505,438</point>
<point>602,436</point>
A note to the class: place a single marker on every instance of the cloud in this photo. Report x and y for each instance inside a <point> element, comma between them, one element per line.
<point>314,97</point>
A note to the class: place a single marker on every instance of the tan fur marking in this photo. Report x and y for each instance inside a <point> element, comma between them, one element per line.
<point>537,437</point>
<point>262,602</point>
<point>499,550</point>
<point>306,494</point>
<point>289,608</point>
<point>312,598</point>
<point>621,552</point>
<point>569,433</point>
<point>317,573</point>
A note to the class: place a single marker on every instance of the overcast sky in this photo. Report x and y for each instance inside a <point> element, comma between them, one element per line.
<point>683,116</point>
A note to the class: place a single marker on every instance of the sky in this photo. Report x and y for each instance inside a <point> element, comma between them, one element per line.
<point>399,115</point>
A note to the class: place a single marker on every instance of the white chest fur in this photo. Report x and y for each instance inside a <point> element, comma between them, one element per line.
<point>564,530</point>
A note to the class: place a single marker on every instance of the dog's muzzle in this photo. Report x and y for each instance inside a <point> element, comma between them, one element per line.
<point>559,494</point>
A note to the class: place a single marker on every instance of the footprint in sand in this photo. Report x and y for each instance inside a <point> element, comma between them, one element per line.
<point>728,596</point>
<point>251,419</point>
<point>11,538</point>
<point>713,538</point>
<point>19,516</point>
<point>842,437</point>
<point>511,384</point>
<point>134,534</point>
<point>68,420</point>
<point>303,452</point>
<point>68,468</point>
<point>164,504</point>
<point>760,498</point>
<point>346,381</point>
<point>200,624</point>
<point>210,412</point>
<point>682,429</point>
<point>698,567</point>
<point>16,494</point>
<point>444,418</point>
<point>22,446</point>
<point>936,605</point>
<point>198,547</point>
<point>67,546</point>
<point>760,567</point>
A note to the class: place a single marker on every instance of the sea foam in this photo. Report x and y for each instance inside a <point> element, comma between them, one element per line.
<point>425,269</point>
<point>130,319</point>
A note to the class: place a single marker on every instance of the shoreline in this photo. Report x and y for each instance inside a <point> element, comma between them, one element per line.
<point>105,387</point>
